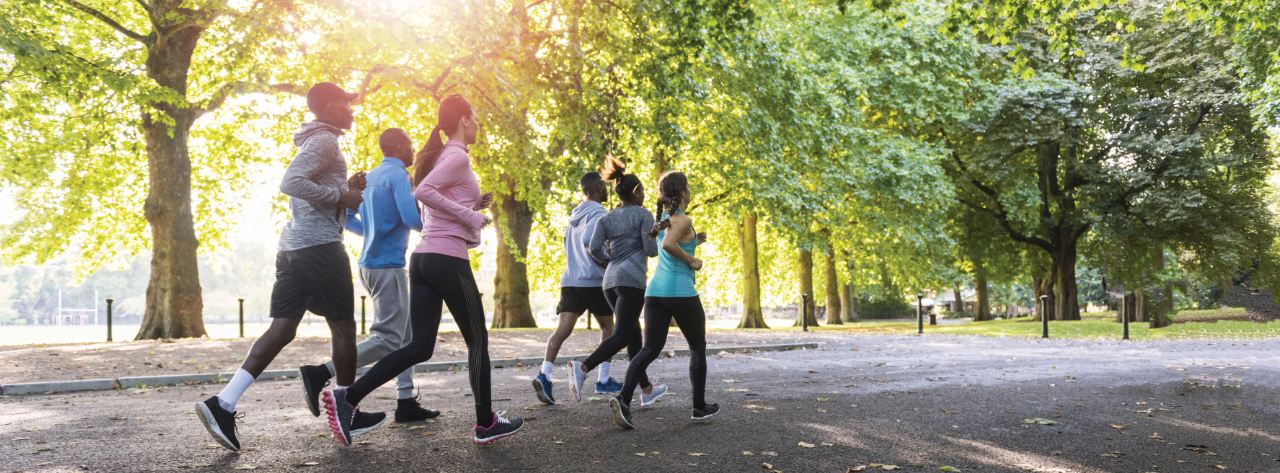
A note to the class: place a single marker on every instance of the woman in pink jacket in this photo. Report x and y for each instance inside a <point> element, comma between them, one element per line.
<point>440,274</point>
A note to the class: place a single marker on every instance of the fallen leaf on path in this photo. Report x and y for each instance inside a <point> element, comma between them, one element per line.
<point>886,467</point>
<point>246,467</point>
<point>747,453</point>
<point>949,469</point>
<point>1113,454</point>
<point>856,468</point>
<point>1196,448</point>
<point>824,399</point>
<point>1220,467</point>
<point>697,454</point>
<point>769,454</point>
<point>1119,426</point>
<point>806,445</point>
<point>309,464</point>
<point>640,454</point>
<point>826,444</point>
<point>767,466</point>
<point>1156,436</point>
<point>1040,421</point>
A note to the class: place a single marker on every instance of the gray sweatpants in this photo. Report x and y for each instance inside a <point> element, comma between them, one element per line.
<point>389,288</point>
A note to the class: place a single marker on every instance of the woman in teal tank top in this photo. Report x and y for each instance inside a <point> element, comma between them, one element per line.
<point>672,295</point>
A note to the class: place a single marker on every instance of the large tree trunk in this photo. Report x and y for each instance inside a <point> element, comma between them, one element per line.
<point>804,268</point>
<point>982,288</point>
<point>1162,310</point>
<point>957,303</point>
<point>1066,304</point>
<point>848,312</point>
<point>752,315</point>
<point>833,291</point>
<point>511,282</point>
<point>174,303</point>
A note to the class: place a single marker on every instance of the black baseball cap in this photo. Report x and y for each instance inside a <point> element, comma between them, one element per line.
<point>326,92</point>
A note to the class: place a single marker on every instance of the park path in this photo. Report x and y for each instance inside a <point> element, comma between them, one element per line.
<point>920,403</point>
<point>38,363</point>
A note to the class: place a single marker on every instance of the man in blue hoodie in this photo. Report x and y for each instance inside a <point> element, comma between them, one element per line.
<point>580,288</point>
<point>385,218</point>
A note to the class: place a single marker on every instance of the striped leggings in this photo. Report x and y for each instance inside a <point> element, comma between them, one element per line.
<point>435,281</point>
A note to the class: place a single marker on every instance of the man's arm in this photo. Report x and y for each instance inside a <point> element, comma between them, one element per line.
<point>402,192</point>
<point>299,179</point>
<point>595,245</point>
<point>353,223</point>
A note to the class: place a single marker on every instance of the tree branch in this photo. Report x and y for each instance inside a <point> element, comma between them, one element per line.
<point>236,88</point>
<point>110,22</point>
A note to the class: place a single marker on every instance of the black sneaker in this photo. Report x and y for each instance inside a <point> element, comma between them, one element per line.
<point>706,412</point>
<point>340,413</point>
<point>408,410</point>
<point>365,422</point>
<point>314,379</point>
<point>220,423</point>
<point>621,413</point>
<point>500,429</point>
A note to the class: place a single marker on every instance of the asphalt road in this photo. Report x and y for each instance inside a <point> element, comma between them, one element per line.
<point>921,404</point>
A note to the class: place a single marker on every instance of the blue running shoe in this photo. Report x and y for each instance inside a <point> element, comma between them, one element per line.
<point>609,386</point>
<point>542,388</point>
<point>649,399</point>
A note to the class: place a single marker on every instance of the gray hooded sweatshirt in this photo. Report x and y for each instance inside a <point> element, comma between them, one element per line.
<point>313,182</point>
<point>580,269</point>
<point>622,240</point>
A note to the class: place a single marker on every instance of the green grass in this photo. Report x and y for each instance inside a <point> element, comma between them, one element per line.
<point>1097,325</point>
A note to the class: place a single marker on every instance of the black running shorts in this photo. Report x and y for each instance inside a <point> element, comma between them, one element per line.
<point>583,299</point>
<point>316,279</point>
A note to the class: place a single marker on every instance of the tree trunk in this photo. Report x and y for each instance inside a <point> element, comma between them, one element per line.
<point>511,282</point>
<point>1162,311</point>
<point>174,307</point>
<point>982,288</point>
<point>847,309</point>
<point>1129,306</point>
<point>833,291</point>
<point>957,305</point>
<point>1139,313</point>
<point>752,315</point>
<point>1066,301</point>
<point>804,268</point>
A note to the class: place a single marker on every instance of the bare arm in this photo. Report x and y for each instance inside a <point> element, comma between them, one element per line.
<point>681,225</point>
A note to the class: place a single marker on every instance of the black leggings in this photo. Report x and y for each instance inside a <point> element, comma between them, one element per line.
<point>627,302</point>
<point>436,279</point>
<point>658,312</point>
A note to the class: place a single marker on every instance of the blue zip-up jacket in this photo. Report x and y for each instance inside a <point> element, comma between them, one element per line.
<point>386,216</point>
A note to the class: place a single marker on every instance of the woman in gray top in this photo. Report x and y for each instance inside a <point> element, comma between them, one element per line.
<point>622,240</point>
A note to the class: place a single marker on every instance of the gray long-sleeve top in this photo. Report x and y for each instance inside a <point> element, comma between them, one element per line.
<point>622,241</point>
<point>313,183</point>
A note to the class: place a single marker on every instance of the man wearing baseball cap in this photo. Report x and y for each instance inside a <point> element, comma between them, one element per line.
<point>313,272</point>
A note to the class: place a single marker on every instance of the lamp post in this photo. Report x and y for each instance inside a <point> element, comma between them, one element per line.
<point>919,314</point>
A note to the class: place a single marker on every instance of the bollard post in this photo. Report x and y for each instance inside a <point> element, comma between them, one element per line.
<point>362,329</point>
<point>1124,316</point>
<point>1044,316</point>
<point>919,314</point>
<point>109,301</point>
<point>589,317</point>
<point>241,317</point>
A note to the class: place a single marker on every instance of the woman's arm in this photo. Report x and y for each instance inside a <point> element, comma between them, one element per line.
<point>448,173</point>
<point>681,225</point>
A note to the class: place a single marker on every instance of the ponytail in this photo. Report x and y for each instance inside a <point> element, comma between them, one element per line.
<point>624,184</point>
<point>426,158</point>
<point>671,187</point>
<point>452,110</point>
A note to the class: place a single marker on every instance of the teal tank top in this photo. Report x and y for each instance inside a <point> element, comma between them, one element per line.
<point>674,277</point>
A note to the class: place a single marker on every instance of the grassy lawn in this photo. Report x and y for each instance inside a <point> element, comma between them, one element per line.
<point>1215,323</point>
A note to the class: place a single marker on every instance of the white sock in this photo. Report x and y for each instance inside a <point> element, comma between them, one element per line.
<point>235,388</point>
<point>341,387</point>
<point>546,368</point>
<point>604,372</point>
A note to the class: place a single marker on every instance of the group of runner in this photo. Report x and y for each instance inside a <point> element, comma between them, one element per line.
<point>607,256</point>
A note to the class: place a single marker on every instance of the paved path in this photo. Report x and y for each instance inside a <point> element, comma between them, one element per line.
<point>919,403</point>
